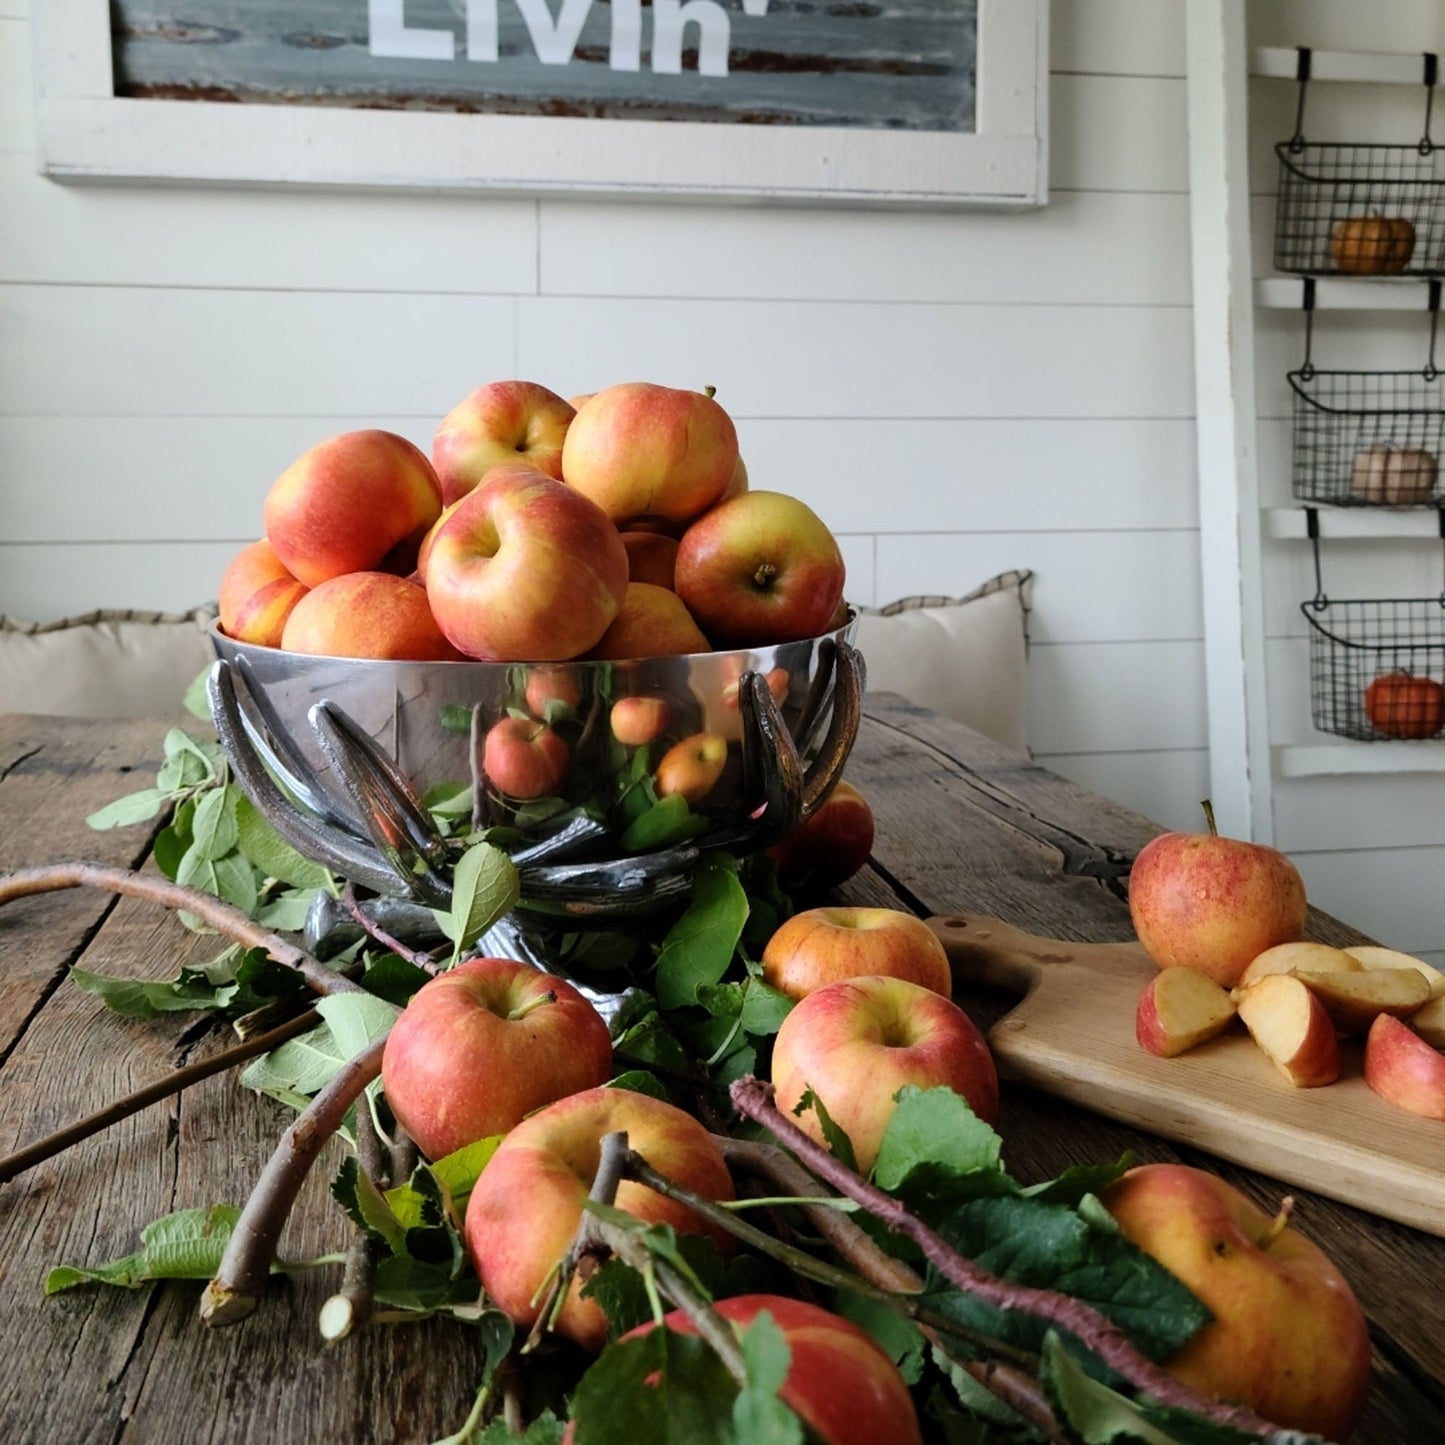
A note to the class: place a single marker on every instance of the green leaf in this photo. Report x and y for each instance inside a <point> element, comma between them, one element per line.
<point>700,945</point>
<point>899,1337</point>
<point>458,1172</point>
<point>271,854</point>
<point>300,1066</point>
<point>455,719</point>
<point>639,1081</point>
<point>657,1389</point>
<point>286,914</point>
<point>185,1245</point>
<point>764,1008</point>
<point>665,822</point>
<point>485,886</point>
<point>394,978</point>
<point>839,1144</point>
<point>933,1143</point>
<point>229,878</point>
<point>1099,1415</point>
<point>196,700</point>
<point>136,998</point>
<point>213,829</point>
<point>649,1041</point>
<point>1049,1246</point>
<point>759,1416</point>
<point>406,1283</point>
<point>133,808</point>
<point>357,1020</point>
<point>448,800</point>
<point>1078,1182</point>
<point>367,1206</point>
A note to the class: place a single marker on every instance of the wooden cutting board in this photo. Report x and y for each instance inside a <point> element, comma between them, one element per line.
<point>1073,1035</point>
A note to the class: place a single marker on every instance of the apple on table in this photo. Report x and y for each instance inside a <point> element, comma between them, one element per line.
<point>1180,1009</point>
<point>827,945</point>
<point>524,1211</point>
<point>1429,1020</point>
<point>480,1047</point>
<point>840,1383</point>
<point>1288,1021</point>
<point>1404,1069</point>
<point>1288,1338</point>
<point>1213,903</point>
<point>855,1044</point>
<point>1301,955</point>
<point>830,845</point>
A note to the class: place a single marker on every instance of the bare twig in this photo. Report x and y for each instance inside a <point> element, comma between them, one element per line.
<point>374,930</point>
<point>350,1308</point>
<point>173,1083</point>
<point>240,1281</point>
<point>753,1098</point>
<point>209,909</point>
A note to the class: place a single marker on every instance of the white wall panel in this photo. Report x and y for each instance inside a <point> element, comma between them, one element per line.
<point>1117,133</point>
<point>1116,697</point>
<point>267,240</point>
<point>1116,37</point>
<point>1098,248</point>
<point>1088,586</point>
<point>126,351</point>
<point>981,474</point>
<point>17,121</point>
<point>1392,894</point>
<point>860,589</point>
<point>1398,810</point>
<point>848,360</point>
<point>44,582</point>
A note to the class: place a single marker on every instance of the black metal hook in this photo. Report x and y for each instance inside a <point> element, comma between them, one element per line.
<point>1312,528</point>
<point>1303,55</point>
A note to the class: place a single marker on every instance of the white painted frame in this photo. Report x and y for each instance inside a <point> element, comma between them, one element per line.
<point>86,132</point>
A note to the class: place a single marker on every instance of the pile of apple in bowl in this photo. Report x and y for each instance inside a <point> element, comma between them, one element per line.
<point>561,602</point>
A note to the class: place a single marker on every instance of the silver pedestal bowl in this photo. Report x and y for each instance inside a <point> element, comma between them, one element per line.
<point>347,758</point>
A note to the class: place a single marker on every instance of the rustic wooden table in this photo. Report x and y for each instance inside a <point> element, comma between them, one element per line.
<point>963,826</point>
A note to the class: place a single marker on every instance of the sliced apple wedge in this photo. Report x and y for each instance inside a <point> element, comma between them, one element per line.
<point>1180,1009</point>
<point>1429,1022</point>
<point>1290,1024</point>
<point>1403,1069</point>
<point>1354,1000</point>
<point>1373,956</point>
<point>1292,957</point>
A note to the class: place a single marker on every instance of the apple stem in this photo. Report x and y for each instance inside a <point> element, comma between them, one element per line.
<point>241,1279</point>
<point>764,577</point>
<point>536,1002</point>
<point>1278,1224</point>
<point>1208,807</point>
<point>709,391</point>
<point>753,1099</point>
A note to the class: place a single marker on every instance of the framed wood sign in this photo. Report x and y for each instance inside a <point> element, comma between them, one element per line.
<point>920,102</point>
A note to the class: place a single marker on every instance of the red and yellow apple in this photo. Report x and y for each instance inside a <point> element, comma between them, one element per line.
<point>760,569</point>
<point>652,622</point>
<point>483,1045</point>
<point>830,845</point>
<point>1354,1000</point>
<point>1288,1338</point>
<point>642,450</point>
<point>639,720</point>
<point>552,689</point>
<point>855,1044</point>
<point>360,502</point>
<point>1429,1020</point>
<point>525,758</point>
<point>821,946</point>
<point>691,768</point>
<point>1213,903</point>
<point>840,1383</point>
<point>523,1213</point>
<point>504,421</point>
<point>651,557</point>
<point>1403,1069</point>
<point>367,614</point>
<point>1180,1009</point>
<point>257,595</point>
<point>525,569</point>
<point>1291,1025</point>
<point>1303,954</point>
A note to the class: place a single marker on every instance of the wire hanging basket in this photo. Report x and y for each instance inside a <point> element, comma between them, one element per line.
<point>1377,665</point>
<point>1368,438</point>
<point>1360,210</point>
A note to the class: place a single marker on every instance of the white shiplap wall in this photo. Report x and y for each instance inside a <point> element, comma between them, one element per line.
<point>955,393</point>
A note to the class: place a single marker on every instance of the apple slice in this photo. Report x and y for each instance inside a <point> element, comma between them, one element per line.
<point>1403,1069</point>
<point>1180,1008</point>
<point>1354,1000</point>
<point>1372,955</point>
<point>1429,1022</point>
<point>1290,1024</point>
<point>1293,957</point>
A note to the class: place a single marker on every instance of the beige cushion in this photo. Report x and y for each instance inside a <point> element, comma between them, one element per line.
<point>963,657</point>
<point>104,664</point>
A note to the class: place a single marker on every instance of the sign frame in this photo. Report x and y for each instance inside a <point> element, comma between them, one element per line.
<point>85,132</point>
